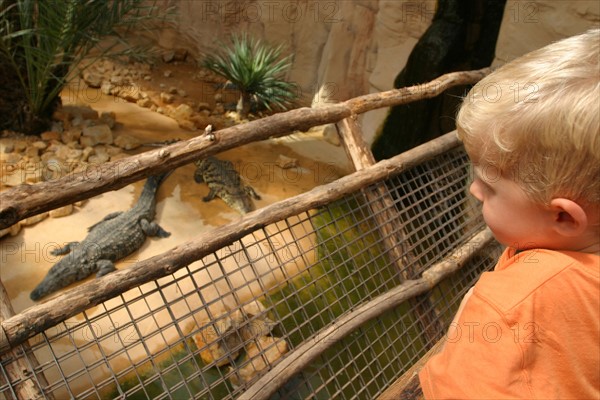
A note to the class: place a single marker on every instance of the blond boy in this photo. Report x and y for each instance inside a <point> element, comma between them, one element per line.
<point>531,328</point>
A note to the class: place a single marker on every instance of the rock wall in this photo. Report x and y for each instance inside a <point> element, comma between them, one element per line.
<point>529,25</point>
<point>343,49</point>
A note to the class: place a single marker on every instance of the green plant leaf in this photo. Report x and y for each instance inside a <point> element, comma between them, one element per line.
<point>256,69</point>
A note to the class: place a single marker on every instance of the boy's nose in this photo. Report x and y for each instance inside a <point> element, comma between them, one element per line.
<point>476,191</point>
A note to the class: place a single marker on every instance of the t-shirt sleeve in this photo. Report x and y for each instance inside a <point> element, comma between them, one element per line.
<point>482,358</point>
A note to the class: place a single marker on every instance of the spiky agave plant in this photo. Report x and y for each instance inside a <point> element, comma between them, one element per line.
<point>42,41</point>
<point>257,71</point>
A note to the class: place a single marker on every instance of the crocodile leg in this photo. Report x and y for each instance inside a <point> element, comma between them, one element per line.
<point>211,195</point>
<point>153,229</point>
<point>198,176</point>
<point>65,249</point>
<point>250,192</point>
<point>104,267</point>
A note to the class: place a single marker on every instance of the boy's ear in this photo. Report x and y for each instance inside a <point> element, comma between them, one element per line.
<point>569,218</point>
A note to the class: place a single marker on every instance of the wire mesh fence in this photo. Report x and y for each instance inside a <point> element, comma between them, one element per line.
<point>211,329</point>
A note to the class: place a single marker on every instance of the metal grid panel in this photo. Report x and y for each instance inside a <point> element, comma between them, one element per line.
<point>212,328</point>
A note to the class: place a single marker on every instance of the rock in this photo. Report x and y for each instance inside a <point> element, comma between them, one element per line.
<point>98,134</point>
<point>172,90</point>
<point>31,172</point>
<point>260,355</point>
<point>219,109</point>
<point>180,54</point>
<point>145,102</point>
<point>87,141</point>
<point>77,121</point>
<point>57,126</point>
<point>286,162</point>
<point>40,145</point>
<point>127,142</point>
<point>54,168</point>
<point>218,98</point>
<point>117,80</point>
<point>203,106</point>
<point>10,158</point>
<point>182,112</point>
<point>71,135</point>
<point>62,211</point>
<point>182,93</point>
<point>61,151</point>
<point>20,146</point>
<point>82,111</point>
<point>218,342</point>
<point>50,135</point>
<point>32,152</point>
<point>12,230</point>
<point>34,219</point>
<point>109,118</point>
<point>7,146</point>
<point>93,80</point>
<point>131,93</point>
<point>12,179</point>
<point>169,56</point>
<point>74,154</point>
<point>168,74</point>
<point>167,98</point>
<point>99,158</point>
<point>108,149</point>
<point>253,321</point>
<point>86,153</point>
<point>187,125</point>
<point>175,55</point>
<point>107,88</point>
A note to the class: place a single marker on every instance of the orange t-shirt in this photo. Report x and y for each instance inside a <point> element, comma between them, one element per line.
<point>531,330</point>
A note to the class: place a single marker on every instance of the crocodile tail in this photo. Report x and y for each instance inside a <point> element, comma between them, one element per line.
<point>156,180</point>
<point>39,292</point>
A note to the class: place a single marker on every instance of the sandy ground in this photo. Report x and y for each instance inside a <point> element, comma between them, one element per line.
<point>181,210</point>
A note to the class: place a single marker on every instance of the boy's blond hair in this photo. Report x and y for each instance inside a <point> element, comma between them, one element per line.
<point>537,120</point>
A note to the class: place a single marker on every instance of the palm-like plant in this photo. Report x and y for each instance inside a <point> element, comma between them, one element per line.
<point>42,41</point>
<point>257,71</point>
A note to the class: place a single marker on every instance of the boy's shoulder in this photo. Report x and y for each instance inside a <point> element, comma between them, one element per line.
<point>538,273</point>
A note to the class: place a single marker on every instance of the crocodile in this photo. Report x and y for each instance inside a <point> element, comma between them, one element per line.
<point>224,181</point>
<point>114,237</point>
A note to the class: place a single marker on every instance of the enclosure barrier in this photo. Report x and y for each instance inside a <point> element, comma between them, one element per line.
<point>311,297</point>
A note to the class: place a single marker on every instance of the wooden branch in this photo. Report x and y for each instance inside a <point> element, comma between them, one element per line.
<point>354,143</point>
<point>409,94</point>
<point>297,360</point>
<point>71,302</point>
<point>27,200</point>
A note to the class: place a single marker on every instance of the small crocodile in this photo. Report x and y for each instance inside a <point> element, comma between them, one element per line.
<point>114,237</point>
<point>224,181</point>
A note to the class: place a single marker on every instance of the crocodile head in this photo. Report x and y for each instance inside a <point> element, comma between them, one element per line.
<point>241,204</point>
<point>75,266</point>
